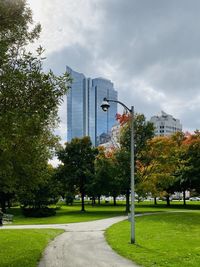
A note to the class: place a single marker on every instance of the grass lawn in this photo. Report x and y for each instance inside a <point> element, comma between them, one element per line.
<point>23,248</point>
<point>169,240</point>
<point>70,214</point>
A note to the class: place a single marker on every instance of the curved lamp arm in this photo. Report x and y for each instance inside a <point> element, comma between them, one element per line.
<point>116,101</point>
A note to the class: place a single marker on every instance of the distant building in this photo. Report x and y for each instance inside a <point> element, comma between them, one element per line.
<point>165,124</point>
<point>103,138</point>
<point>77,106</point>
<point>101,122</point>
<point>113,142</point>
<point>84,114</point>
<point>115,135</point>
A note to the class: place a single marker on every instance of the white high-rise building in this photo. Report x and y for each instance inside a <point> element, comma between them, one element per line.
<point>114,138</point>
<point>165,124</point>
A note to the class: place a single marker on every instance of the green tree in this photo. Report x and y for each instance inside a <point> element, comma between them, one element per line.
<point>143,131</point>
<point>189,174</point>
<point>78,159</point>
<point>29,100</point>
<point>194,161</point>
<point>188,153</point>
<point>105,180</point>
<point>36,199</point>
<point>15,33</point>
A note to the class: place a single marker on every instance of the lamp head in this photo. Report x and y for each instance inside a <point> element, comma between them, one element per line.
<point>105,105</point>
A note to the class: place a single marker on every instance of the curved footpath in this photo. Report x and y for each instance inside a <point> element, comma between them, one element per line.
<point>82,244</point>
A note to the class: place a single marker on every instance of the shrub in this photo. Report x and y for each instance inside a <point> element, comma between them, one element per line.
<point>38,212</point>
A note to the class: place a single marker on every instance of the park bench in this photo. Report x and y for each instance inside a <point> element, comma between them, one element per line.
<point>7,218</point>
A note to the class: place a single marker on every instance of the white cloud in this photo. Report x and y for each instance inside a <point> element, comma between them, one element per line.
<point>64,23</point>
<point>149,49</point>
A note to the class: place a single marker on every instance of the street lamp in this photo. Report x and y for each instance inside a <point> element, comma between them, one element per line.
<point>105,106</point>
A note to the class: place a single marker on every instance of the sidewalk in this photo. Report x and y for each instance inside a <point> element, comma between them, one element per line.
<point>81,245</point>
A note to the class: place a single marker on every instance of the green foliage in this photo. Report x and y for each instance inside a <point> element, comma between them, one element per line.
<point>69,198</point>
<point>15,19</point>
<point>105,180</point>
<point>77,170</point>
<point>189,174</point>
<point>29,100</point>
<point>143,131</point>
<point>122,157</point>
<point>38,212</point>
<point>46,193</point>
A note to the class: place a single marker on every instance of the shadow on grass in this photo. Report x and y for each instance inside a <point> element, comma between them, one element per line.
<point>76,211</point>
<point>105,210</point>
<point>173,205</point>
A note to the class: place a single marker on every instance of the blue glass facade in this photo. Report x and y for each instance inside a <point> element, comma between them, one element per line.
<point>84,114</point>
<point>103,120</point>
<point>77,118</point>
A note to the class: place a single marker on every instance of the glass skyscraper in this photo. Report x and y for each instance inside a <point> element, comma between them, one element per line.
<point>84,114</point>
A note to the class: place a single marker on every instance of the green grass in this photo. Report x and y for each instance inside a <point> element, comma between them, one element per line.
<point>70,214</point>
<point>23,248</point>
<point>167,239</point>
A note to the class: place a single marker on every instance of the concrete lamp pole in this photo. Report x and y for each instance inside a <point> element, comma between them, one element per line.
<point>105,106</point>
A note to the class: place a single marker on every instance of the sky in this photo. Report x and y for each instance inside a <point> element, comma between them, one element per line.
<point>149,49</point>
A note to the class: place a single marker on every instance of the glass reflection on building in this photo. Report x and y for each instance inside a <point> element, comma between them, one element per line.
<point>84,114</point>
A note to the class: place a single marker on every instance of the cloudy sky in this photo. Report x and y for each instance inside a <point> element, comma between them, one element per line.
<point>150,49</point>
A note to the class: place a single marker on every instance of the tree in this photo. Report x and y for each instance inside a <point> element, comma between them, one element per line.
<point>15,33</point>
<point>123,169</point>
<point>182,183</point>
<point>157,171</point>
<point>29,100</point>
<point>189,174</point>
<point>35,200</point>
<point>105,180</point>
<point>78,158</point>
<point>143,131</point>
<point>194,161</point>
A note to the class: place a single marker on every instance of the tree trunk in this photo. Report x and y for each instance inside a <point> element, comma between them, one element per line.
<point>114,201</point>
<point>3,206</point>
<point>127,200</point>
<point>93,201</point>
<point>99,200</point>
<point>3,202</point>
<point>168,201</point>
<point>82,201</point>
<point>155,201</point>
<point>184,200</point>
<point>82,189</point>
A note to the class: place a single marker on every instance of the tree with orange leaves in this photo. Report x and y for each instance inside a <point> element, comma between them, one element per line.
<point>170,164</point>
<point>157,170</point>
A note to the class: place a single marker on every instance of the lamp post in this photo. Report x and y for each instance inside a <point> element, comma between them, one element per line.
<point>105,106</point>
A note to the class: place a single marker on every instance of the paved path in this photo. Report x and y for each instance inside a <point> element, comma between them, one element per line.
<point>81,245</point>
